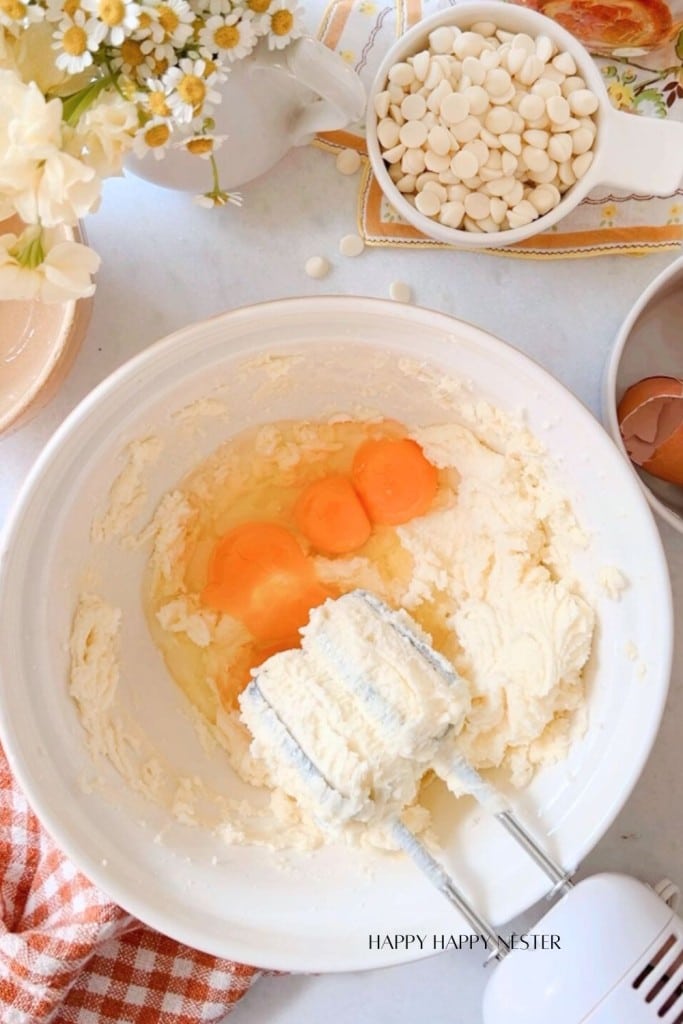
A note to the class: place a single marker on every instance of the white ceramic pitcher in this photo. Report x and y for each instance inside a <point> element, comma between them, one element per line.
<point>270,102</point>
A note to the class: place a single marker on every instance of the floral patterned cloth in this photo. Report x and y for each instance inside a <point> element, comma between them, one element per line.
<point>607,221</point>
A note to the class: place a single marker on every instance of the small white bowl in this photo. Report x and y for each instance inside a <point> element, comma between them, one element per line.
<point>649,344</point>
<point>636,154</point>
<point>38,344</point>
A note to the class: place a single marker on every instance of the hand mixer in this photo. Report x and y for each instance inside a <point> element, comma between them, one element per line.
<point>355,750</point>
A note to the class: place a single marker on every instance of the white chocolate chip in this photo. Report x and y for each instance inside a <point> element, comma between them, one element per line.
<point>441,39</point>
<point>428,203</point>
<point>512,142</point>
<point>545,48</point>
<point>536,137</point>
<point>560,147</point>
<point>317,267</point>
<point>582,102</point>
<point>498,82</point>
<point>393,155</point>
<point>581,140</point>
<point>420,64</point>
<point>438,189</point>
<point>413,161</point>
<point>477,205</point>
<point>564,62</point>
<point>454,108</point>
<point>348,161</point>
<point>466,130</point>
<point>382,101</point>
<point>537,160</point>
<point>557,108</point>
<point>499,120</point>
<point>437,161</point>
<point>414,107</point>
<point>581,164</point>
<point>439,139</point>
<point>401,74</point>
<point>464,164</point>
<point>399,291</point>
<point>351,245</point>
<point>413,134</point>
<point>387,132</point>
<point>531,107</point>
<point>407,183</point>
<point>478,99</point>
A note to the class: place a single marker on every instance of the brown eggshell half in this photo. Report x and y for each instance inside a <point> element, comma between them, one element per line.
<point>651,422</point>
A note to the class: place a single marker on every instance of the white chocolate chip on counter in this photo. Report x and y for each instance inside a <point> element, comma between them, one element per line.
<point>351,245</point>
<point>399,291</point>
<point>317,267</point>
<point>348,161</point>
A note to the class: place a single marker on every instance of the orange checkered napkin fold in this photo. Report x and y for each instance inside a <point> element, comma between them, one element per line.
<point>68,955</point>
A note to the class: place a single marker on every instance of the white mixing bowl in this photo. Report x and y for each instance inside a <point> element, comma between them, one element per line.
<point>310,912</point>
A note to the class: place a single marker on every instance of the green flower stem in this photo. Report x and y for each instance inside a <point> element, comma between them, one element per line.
<point>28,250</point>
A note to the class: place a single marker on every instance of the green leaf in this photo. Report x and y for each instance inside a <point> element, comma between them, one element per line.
<point>679,45</point>
<point>654,97</point>
<point>75,106</point>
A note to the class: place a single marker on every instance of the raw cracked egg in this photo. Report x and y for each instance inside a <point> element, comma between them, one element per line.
<point>650,416</point>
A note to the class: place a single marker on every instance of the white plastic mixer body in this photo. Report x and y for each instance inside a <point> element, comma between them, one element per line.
<point>618,959</point>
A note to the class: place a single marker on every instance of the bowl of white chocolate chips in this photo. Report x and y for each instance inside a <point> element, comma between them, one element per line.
<point>488,123</point>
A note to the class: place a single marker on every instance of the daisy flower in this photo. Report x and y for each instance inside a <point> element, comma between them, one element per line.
<point>77,38</point>
<point>154,101</point>
<point>233,36</point>
<point>154,137</point>
<point>258,7</point>
<point>121,17</point>
<point>190,89</point>
<point>172,22</point>
<point>14,14</point>
<point>286,23</point>
<point>202,144</point>
<point>55,10</point>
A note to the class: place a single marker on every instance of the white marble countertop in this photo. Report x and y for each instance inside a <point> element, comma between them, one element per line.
<point>167,262</point>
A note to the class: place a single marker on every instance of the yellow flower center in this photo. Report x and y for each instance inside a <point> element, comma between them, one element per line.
<point>157,104</point>
<point>160,67</point>
<point>258,6</point>
<point>192,90</point>
<point>145,20</point>
<point>168,20</point>
<point>131,53</point>
<point>75,41</point>
<point>210,67</point>
<point>14,9</point>
<point>112,12</point>
<point>71,6</point>
<point>157,136</point>
<point>226,37</point>
<point>281,23</point>
<point>199,147</point>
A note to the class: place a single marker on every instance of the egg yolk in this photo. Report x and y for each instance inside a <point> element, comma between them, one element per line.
<point>259,574</point>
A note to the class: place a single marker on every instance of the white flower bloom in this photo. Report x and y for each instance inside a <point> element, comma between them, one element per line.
<point>62,190</point>
<point>286,23</point>
<point>154,137</point>
<point>172,21</point>
<point>63,273</point>
<point>153,101</point>
<point>77,38</point>
<point>210,200</point>
<point>233,36</point>
<point>105,133</point>
<point>201,144</point>
<point>120,17</point>
<point>30,126</point>
<point>190,89</point>
<point>158,53</point>
<point>15,14</point>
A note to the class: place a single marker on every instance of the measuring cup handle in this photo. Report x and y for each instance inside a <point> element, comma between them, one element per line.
<point>339,93</point>
<point>643,154</point>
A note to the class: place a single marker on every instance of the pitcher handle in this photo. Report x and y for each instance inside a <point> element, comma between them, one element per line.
<point>340,96</point>
<point>643,154</point>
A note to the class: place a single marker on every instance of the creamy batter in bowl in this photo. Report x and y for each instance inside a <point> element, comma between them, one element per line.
<point>174,405</point>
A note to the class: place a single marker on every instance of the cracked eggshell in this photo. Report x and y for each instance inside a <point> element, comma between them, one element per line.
<point>650,416</point>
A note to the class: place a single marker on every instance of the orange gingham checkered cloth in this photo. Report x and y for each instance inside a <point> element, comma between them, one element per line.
<point>68,955</point>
